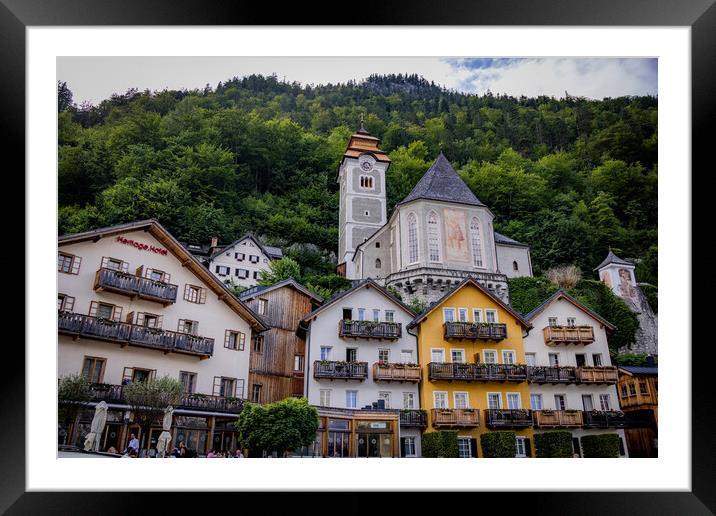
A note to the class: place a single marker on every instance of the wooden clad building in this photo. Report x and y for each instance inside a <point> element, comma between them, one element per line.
<point>276,369</point>
<point>638,397</point>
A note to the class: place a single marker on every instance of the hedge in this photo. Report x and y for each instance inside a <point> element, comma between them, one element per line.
<point>554,444</point>
<point>601,445</point>
<point>498,444</point>
<point>440,444</point>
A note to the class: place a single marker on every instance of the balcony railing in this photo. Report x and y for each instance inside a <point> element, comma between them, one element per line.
<point>568,335</point>
<point>604,419</point>
<point>508,418</point>
<point>133,334</point>
<point>477,372</point>
<point>414,418</point>
<point>551,374</point>
<point>597,374</point>
<point>474,331</point>
<point>135,286</point>
<point>115,394</point>
<point>370,329</point>
<point>462,418</point>
<point>557,418</point>
<point>340,370</point>
<point>387,372</point>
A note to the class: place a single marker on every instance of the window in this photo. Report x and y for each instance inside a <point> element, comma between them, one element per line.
<point>477,315</point>
<point>385,396</point>
<point>93,369</point>
<point>521,447</point>
<point>408,400</point>
<point>366,213</point>
<point>105,311</point>
<point>347,314</point>
<point>377,245</point>
<point>148,320</point>
<point>571,321</point>
<point>361,314</point>
<point>536,401</point>
<point>560,402</point>
<point>433,237</point>
<point>515,267</point>
<point>114,264</point>
<point>234,340</point>
<point>351,354</point>
<point>581,359</point>
<point>256,393</point>
<point>384,355</point>
<point>554,359</point>
<point>194,294</point>
<point>412,238</point>
<point>253,258</point>
<point>256,274</point>
<point>530,359</point>
<point>514,402</point>
<point>366,182</point>
<point>475,242</point>
<point>227,387</point>
<point>642,388</point>
<point>587,402</point>
<point>65,303</point>
<point>440,399</point>
<point>597,359</point>
<point>460,399</point>
<point>490,356</point>
<point>449,314</point>
<point>406,356</point>
<point>351,399</point>
<point>632,389</point>
<point>552,321</point>
<point>298,362</point>
<point>325,398</point>
<point>67,263</point>
<point>437,355</point>
<point>463,447</point>
<point>377,263</point>
<point>187,326</point>
<point>491,316</point>
<point>624,391</point>
<point>258,344</point>
<point>262,306</point>
<point>604,402</point>
<point>390,316</point>
<point>508,357</point>
<point>240,256</point>
<point>188,381</point>
<point>462,314</point>
<point>408,446</point>
<point>222,270</point>
<point>457,355</point>
<point>376,315</point>
<point>242,273</point>
<point>494,400</point>
<point>325,352</point>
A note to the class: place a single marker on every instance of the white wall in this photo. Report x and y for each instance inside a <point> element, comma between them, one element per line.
<point>228,258</point>
<point>214,317</point>
<point>507,254</point>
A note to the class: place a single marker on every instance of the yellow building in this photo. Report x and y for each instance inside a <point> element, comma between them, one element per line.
<point>474,378</point>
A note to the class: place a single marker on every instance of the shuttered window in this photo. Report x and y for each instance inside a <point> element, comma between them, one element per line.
<point>194,294</point>
<point>114,264</point>
<point>234,340</point>
<point>187,326</point>
<point>145,319</point>
<point>105,311</point>
<point>65,303</point>
<point>68,263</point>
<point>93,369</point>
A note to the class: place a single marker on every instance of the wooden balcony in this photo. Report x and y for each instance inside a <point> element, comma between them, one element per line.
<point>551,374</point>
<point>455,371</point>
<point>597,374</point>
<point>604,419</point>
<point>413,418</point>
<point>327,370</point>
<point>388,372</point>
<point>557,418</point>
<point>380,330</point>
<point>475,331</point>
<point>135,286</point>
<point>455,418</point>
<point>508,418</point>
<point>79,325</point>
<point>568,335</point>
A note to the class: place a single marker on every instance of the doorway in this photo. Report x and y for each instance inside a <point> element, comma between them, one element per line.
<point>374,445</point>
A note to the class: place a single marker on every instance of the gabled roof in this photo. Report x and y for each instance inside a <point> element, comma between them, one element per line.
<point>154,228</point>
<point>502,239</point>
<point>290,282</point>
<point>613,258</point>
<point>363,283</point>
<point>363,142</point>
<point>463,283</point>
<point>271,252</point>
<point>442,183</point>
<point>561,294</point>
<point>640,370</point>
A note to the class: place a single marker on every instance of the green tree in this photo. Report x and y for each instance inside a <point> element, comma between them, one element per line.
<point>280,270</point>
<point>73,392</point>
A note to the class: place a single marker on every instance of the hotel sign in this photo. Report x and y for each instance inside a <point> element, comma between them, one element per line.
<point>141,246</point>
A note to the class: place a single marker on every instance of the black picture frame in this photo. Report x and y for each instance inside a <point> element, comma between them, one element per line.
<point>700,15</point>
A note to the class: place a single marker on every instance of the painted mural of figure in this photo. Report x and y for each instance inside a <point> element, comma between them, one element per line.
<point>625,284</point>
<point>456,236</point>
<point>607,279</point>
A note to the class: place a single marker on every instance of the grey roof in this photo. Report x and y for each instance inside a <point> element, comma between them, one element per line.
<point>254,291</point>
<point>271,252</point>
<point>562,294</point>
<point>442,183</point>
<point>640,369</point>
<point>613,258</point>
<point>502,239</point>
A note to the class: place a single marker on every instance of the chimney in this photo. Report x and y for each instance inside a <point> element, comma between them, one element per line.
<point>650,361</point>
<point>214,241</point>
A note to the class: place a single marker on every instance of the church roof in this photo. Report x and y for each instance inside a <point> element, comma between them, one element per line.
<point>613,258</point>
<point>363,142</point>
<point>442,183</point>
<point>502,239</point>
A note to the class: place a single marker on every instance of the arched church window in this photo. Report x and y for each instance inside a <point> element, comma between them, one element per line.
<point>476,242</point>
<point>377,263</point>
<point>515,266</point>
<point>366,182</point>
<point>433,237</point>
<point>412,238</point>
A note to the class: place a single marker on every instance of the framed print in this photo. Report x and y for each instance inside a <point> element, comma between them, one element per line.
<point>459,205</point>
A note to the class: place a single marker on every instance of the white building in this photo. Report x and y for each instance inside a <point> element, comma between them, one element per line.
<point>134,304</point>
<point>438,235</point>
<point>359,353</point>
<point>572,380</point>
<point>241,262</point>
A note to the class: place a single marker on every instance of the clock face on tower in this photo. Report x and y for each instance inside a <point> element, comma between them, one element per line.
<point>366,166</point>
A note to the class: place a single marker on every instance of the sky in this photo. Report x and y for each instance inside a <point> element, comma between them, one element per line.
<point>94,79</point>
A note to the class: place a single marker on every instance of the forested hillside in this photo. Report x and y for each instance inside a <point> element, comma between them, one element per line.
<point>570,176</point>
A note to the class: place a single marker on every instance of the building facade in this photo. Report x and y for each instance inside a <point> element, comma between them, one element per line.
<point>472,361</point>
<point>572,381</point>
<point>638,396</point>
<point>133,304</point>
<point>277,360</point>
<point>359,357</point>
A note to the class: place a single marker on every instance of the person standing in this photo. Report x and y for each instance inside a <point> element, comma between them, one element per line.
<point>133,443</point>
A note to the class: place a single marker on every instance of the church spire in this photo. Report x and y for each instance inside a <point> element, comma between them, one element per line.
<point>362,129</point>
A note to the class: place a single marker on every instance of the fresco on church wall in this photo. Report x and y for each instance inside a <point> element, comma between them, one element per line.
<point>625,284</point>
<point>607,279</point>
<point>455,235</point>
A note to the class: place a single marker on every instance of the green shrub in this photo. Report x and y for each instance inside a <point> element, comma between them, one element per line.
<point>651,293</point>
<point>440,444</point>
<point>630,359</point>
<point>498,444</point>
<point>554,444</point>
<point>602,445</point>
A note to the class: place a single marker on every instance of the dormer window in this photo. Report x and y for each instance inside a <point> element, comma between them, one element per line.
<point>366,182</point>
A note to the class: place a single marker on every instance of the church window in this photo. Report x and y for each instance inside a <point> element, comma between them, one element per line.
<point>515,266</point>
<point>433,237</point>
<point>475,241</point>
<point>377,263</point>
<point>412,238</point>
<point>366,182</point>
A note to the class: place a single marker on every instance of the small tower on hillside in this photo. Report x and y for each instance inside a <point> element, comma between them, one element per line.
<point>618,274</point>
<point>361,176</point>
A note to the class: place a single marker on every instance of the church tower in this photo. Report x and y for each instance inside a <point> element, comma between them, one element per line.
<point>362,212</point>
